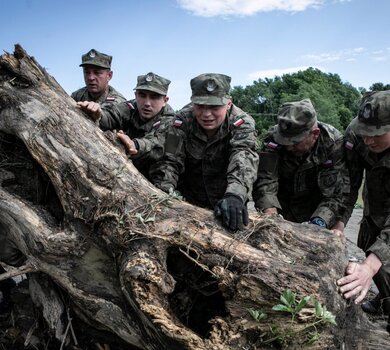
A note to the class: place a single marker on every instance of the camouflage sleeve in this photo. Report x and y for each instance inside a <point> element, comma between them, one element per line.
<point>266,187</point>
<point>333,182</point>
<point>356,171</point>
<point>381,245</point>
<point>151,146</point>
<point>165,172</point>
<point>243,159</point>
<point>115,116</point>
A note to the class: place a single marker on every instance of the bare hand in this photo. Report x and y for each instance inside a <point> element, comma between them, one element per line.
<point>358,278</point>
<point>93,109</point>
<point>127,142</point>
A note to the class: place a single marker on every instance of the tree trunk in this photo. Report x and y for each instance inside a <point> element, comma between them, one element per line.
<point>141,265</point>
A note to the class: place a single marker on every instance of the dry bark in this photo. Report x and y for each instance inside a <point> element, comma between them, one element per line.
<point>148,268</point>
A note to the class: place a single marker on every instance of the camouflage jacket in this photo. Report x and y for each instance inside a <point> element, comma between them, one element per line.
<point>302,188</point>
<point>376,192</point>
<point>110,97</point>
<point>209,168</point>
<point>125,116</point>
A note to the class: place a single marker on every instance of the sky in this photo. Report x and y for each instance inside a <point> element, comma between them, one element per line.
<point>180,39</point>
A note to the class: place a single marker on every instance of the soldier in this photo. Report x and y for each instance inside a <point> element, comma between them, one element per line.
<point>212,145</point>
<point>137,120</point>
<point>302,174</point>
<point>97,74</point>
<point>367,144</point>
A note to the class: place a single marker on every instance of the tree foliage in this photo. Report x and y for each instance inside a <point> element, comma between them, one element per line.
<point>335,101</point>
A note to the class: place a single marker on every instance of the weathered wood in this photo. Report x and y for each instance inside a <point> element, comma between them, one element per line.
<point>157,272</point>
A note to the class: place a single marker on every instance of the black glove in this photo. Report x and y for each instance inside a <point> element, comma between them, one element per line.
<point>233,211</point>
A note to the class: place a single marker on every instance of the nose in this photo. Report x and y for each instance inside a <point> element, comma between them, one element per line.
<point>90,76</point>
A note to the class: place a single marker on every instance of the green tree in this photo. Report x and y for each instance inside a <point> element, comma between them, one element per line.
<point>336,102</point>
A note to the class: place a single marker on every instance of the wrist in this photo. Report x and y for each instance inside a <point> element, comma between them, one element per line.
<point>373,263</point>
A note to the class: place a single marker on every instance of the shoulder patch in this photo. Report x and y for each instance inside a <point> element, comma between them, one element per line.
<point>328,163</point>
<point>110,98</point>
<point>129,104</point>
<point>177,123</point>
<point>156,125</point>
<point>238,122</point>
<point>349,145</point>
<point>271,145</point>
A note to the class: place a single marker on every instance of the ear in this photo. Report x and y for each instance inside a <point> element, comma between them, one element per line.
<point>229,104</point>
<point>110,74</point>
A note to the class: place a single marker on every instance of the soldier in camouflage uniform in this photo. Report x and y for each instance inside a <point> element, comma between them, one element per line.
<point>367,144</point>
<point>211,145</point>
<point>97,74</point>
<point>302,173</point>
<point>138,120</point>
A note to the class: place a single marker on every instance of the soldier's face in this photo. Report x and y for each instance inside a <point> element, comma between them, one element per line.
<point>96,79</point>
<point>209,117</point>
<point>303,147</point>
<point>377,144</point>
<point>149,103</point>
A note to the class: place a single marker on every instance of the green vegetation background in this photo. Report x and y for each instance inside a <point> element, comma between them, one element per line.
<point>335,101</point>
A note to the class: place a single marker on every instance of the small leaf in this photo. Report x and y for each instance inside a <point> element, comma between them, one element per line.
<point>281,307</point>
<point>302,304</point>
<point>313,338</point>
<point>318,307</point>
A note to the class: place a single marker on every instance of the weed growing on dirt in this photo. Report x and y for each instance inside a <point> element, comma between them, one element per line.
<point>304,320</point>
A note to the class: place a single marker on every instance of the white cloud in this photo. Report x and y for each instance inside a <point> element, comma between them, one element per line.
<point>271,73</point>
<point>346,55</point>
<point>211,8</point>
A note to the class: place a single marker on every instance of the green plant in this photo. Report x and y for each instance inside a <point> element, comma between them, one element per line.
<point>315,315</point>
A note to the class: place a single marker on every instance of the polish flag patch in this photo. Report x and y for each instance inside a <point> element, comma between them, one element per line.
<point>157,124</point>
<point>271,145</point>
<point>328,163</point>
<point>110,99</point>
<point>130,105</point>
<point>177,123</point>
<point>349,145</point>
<point>238,122</point>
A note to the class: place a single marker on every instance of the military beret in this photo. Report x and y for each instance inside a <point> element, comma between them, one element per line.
<point>96,58</point>
<point>153,82</point>
<point>295,121</point>
<point>374,114</point>
<point>210,89</point>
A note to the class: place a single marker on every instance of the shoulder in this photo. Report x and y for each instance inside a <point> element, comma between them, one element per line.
<point>330,137</point>
<point>114,95</point>
<point>269,142</point>
<point>78,94</point>
<point>240,119</point>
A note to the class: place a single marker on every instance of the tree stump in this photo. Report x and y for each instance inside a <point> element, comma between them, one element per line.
<point>140,265</point>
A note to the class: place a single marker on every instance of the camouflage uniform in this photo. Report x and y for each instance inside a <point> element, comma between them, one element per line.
<point>209,168</point>
<point>110,96</point>
<point>125,116</point>
<point>374,233</point>
<point>302,187</point>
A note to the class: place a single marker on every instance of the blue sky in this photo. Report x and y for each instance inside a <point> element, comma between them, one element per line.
<point>179,39</point>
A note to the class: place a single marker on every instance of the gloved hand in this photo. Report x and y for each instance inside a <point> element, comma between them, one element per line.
<point>318,221</point>
<point>233,211</point>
